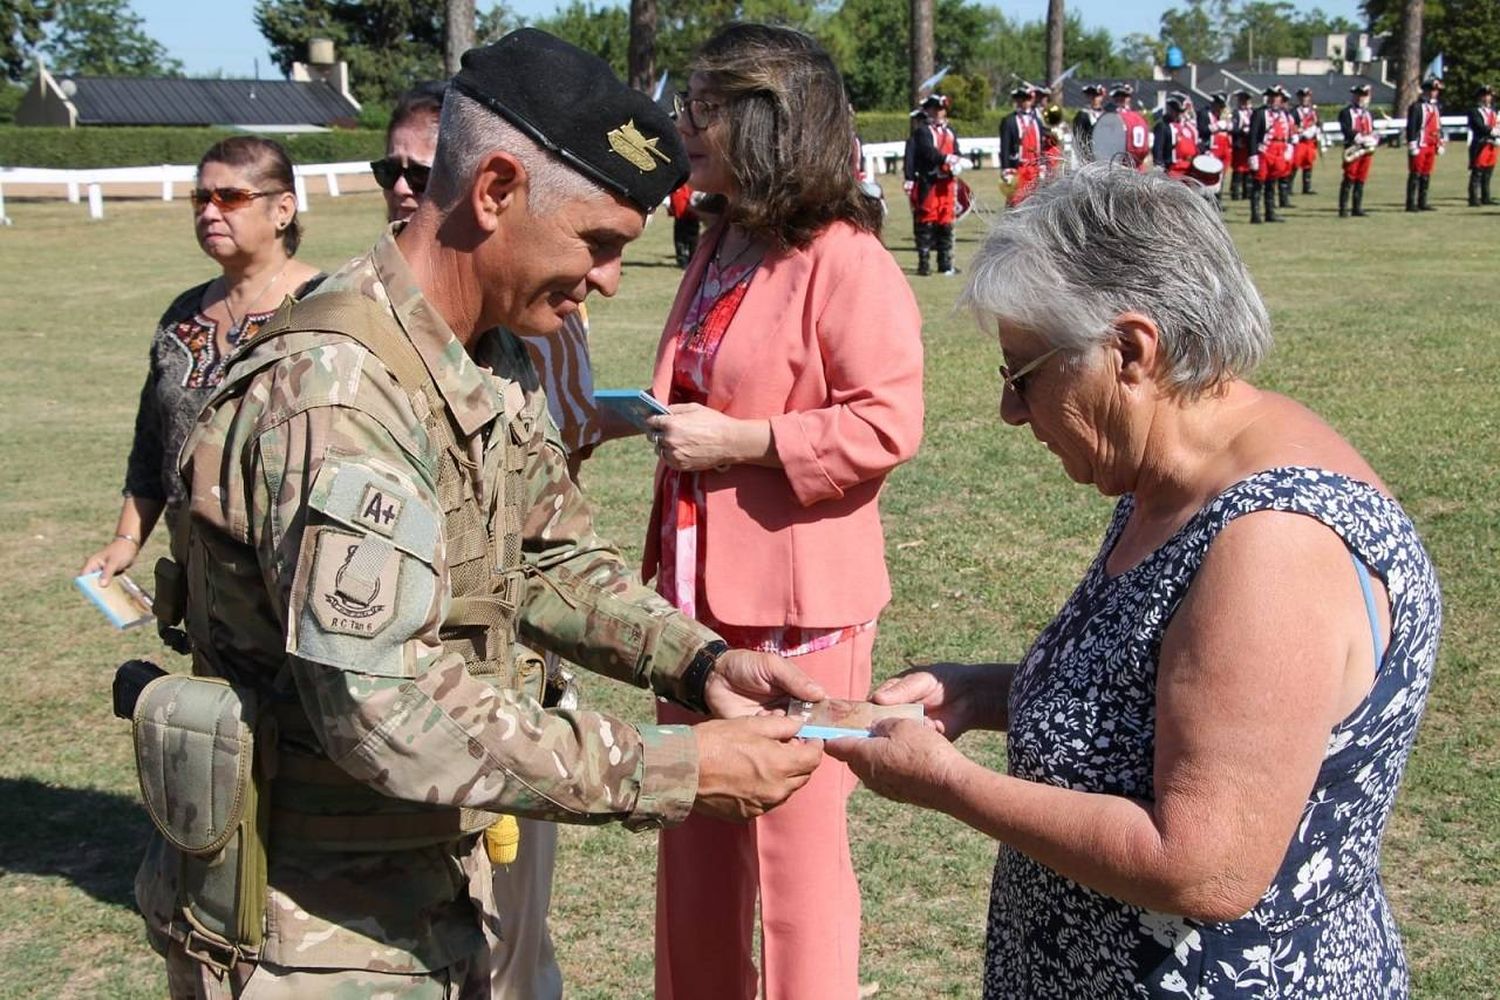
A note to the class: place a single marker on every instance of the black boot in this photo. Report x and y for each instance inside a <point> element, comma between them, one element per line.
<point>1484,186</point>
<point>944,243</point>
<point>924,249</point>
<point>1272,188</point>
<point>1474,187</point>
<point>1236,186</point>
<point>1422,204</point>
<point>1253,187</point>
<point>1411,192</point>
<point>1307,181</point>
<point>1359,200</point>
<point>1284,192</point>
<point>1345,189</point>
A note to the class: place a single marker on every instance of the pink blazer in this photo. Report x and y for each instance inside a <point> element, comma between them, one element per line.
<point>827,345</point>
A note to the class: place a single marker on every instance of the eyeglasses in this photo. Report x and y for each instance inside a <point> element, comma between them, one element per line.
<point>227,199</point>
<point>390,170</point>
<point>1016,381</point>
<point>700,113</point>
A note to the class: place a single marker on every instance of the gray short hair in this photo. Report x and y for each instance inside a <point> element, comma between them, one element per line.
<point>470,131</point>
<point>1102,240</point>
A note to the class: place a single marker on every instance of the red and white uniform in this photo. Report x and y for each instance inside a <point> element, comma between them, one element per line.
<point>1271,131</point>
<point>934,199</point>
<point>1021,153</point>
<point>1356,122</point>
<point>1239,133</point>
<point>1306,156</point>
<point>1424,136</point>
<point>1185,147</point>
<point>1485,154</point>
<point>1137,136</point>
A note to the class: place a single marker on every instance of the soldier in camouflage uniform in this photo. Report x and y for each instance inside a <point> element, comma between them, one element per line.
<point>328,566</point>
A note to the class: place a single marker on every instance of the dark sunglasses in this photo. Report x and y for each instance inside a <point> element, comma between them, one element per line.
<point>390,170</point>
<point>227,199</point>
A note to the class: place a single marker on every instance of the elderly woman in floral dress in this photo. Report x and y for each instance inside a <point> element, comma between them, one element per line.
<point>1205,742</point>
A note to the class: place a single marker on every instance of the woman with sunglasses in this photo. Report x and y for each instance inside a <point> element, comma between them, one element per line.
<point>245,219</point>
<point>791,364</point>
<point>1204,745</point>
<point>410,145</point>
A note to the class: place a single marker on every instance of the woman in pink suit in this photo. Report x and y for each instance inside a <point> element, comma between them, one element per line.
<point>792,366</point>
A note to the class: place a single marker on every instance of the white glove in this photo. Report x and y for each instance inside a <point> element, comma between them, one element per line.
<point>1288,154</point>
<point>908,186</point>
<point>1008,176</point>
<point>1413,148</point>
<point>1254,162</point>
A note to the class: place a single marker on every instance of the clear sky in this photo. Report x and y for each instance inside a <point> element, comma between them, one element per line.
<point>221,34</point>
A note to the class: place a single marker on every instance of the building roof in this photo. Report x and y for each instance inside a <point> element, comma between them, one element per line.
<point>104,100</point>
<point>1327,88</point>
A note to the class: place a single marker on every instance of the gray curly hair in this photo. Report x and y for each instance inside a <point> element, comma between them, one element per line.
<point>1103,240</point>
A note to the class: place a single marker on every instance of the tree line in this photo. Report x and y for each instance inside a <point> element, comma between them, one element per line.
<point>884,47</point>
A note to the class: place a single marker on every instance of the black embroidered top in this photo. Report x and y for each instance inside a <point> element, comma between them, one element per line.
<point>185,366</point>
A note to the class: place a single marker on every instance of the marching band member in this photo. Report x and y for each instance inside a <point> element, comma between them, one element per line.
<point>1484,135</point>
<point>1286,166</point>
<point>1187,131</point>
<point>1270,157</point>
<point>1359,149</point>
<point>1173,146</point>
<point>1241,150</point>
<point>1083,122</point>
<point>1309,132</point>
<point>1424,144</point>
<point>1214,139</point>
<point>1020,148</point>
<point>1137,130</point>
<point>934,152</point>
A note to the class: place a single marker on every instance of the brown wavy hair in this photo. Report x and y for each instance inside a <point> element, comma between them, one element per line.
<point>790,133</point>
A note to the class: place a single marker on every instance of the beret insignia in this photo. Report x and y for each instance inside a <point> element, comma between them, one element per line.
<point>629,143</point>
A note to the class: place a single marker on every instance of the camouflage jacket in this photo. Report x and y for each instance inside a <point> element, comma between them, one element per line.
<point>281,471</point>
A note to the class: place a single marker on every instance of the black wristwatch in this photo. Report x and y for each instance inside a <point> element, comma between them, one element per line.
<point>695,677</point>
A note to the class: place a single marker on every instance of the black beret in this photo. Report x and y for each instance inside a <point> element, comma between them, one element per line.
<point>572,104</point>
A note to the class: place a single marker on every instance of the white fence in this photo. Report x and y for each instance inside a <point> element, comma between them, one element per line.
<point>879,158</point>
<point>91,183</point>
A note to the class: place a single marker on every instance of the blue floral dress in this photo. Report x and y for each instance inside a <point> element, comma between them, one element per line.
<point>1082,716</point>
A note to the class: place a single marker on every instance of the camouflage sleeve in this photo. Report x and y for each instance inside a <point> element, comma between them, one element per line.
<point>581,600</point>
<point>347,529</point>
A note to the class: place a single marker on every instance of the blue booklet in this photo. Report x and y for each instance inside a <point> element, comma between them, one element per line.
<point>123,602</point>
<point>633,405</point>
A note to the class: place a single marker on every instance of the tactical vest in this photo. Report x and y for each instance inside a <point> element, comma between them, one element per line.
<point>313,801</point>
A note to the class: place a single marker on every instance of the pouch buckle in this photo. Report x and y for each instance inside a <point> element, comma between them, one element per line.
<point>208,951</point>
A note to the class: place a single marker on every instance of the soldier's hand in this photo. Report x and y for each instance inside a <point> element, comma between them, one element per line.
<point>745,682</point>
<point>748,766</point>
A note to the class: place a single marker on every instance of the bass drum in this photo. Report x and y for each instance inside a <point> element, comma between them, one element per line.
<point>1108,143</point>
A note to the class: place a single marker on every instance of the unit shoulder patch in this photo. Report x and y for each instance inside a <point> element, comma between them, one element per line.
<point>355,583</point>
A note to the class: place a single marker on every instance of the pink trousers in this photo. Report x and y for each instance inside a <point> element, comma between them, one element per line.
<point>796,857</point>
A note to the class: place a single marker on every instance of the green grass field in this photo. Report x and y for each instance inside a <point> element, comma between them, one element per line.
<point>1387,326</point>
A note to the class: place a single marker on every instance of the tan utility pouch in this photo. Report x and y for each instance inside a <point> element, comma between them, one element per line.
<point>195,754</point>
